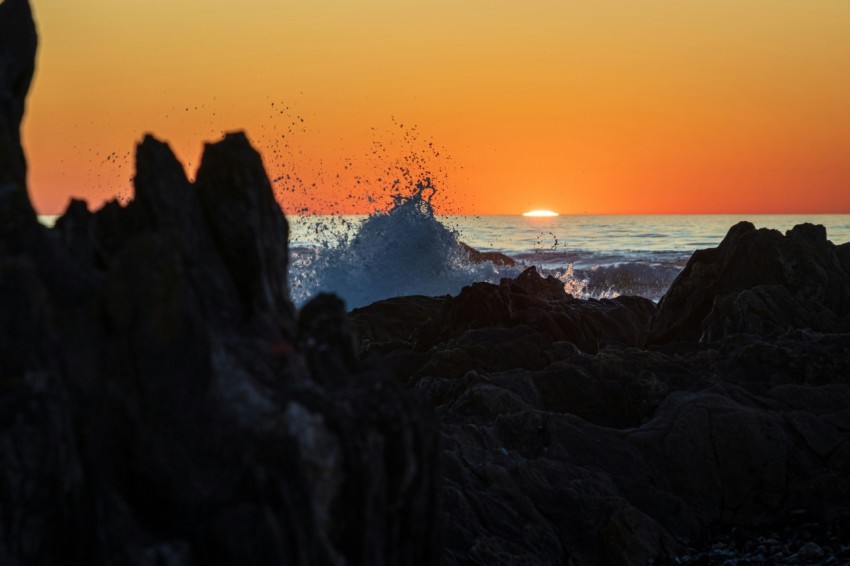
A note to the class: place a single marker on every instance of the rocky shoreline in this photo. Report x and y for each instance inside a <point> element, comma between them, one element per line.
<point>162,402</point>
<point>616,431</point>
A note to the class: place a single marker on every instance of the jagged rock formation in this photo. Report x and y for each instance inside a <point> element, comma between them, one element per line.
<point>565,440</point>
<point>17,58</point>
<point>161,403</point>
<point>759,282</point>
<point>17,64</point>
<point>542,304</point>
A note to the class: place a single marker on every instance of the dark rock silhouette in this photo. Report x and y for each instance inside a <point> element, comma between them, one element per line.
<point>758,281</point>
<point>162,403</point>
<point>495,258</point>
<point>159,401</point>
<point>541,304</point>
<point>17,64</point>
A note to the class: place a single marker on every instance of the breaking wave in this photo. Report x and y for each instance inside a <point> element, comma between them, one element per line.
<point>405,250</point>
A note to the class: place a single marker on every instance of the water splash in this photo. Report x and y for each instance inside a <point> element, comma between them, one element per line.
<point>574,283</point>
<point>407,250</point>
<point>404,250</point>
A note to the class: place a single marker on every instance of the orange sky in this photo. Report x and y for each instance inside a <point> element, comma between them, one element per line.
<point>629,106</point>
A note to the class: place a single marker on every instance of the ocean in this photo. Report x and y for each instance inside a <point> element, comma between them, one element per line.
<point>596,256</point>
<point>408,250</point>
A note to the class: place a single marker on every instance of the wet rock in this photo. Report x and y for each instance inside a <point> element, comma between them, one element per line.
<point>531,283</point>
<point>495,258</point>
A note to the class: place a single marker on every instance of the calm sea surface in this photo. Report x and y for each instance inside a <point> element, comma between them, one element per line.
<point>625,233</point>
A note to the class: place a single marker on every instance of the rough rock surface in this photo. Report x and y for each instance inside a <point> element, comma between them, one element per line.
<point>161,403</point>
<point>567,440</point>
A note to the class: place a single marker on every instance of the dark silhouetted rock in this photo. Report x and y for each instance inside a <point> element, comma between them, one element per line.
<point>160,403</point>
<point>247,225</point>
<point>17,63</point>
<point>394,320</point>
<point>761,282</point>
<point>327,338</point>
<point>495,258</point>
<point>542,304</point>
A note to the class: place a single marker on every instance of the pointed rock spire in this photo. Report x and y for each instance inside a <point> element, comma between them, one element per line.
<point>246,223</point>
<point>17,62</point>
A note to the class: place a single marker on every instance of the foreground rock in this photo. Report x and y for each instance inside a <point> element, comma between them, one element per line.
<point>17,57</point>
<point>566,440</point>
<point>161,403</point>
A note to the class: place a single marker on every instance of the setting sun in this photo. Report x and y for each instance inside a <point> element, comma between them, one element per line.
<point>540,213</point>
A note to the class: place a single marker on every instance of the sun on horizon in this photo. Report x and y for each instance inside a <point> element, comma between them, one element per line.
<point>540,213</point>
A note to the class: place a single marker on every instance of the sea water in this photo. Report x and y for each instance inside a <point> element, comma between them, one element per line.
<point>410,250</point>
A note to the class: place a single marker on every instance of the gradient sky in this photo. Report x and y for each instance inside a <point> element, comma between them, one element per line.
<point>629,106</point>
